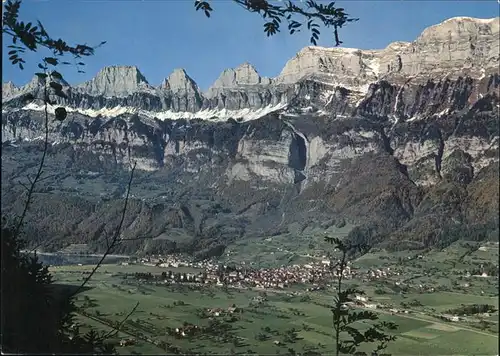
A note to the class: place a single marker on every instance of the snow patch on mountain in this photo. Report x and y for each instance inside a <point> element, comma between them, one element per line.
<point>214,115</point>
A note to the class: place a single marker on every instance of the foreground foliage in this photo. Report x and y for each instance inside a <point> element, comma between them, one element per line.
<point>26,36</point>
<point>296,14</point>
<point>348,338</point>
<point>36,317</point>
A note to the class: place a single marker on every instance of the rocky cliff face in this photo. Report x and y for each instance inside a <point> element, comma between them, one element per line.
<point>400,141</point>
<point>116,81</point>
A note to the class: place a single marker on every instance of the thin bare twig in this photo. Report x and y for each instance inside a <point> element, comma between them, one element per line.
<point>116,329</point>
<point>24,186</point>
<point>115,237</point>
<point>40,167</point>
<point>43,242</point>
<point>47,177</point>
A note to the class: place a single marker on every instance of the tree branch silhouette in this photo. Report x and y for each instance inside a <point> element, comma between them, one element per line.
<point>117,328</point>
<point>39,172</point>
<point>313,15</point>
<point>344,318</point>
<point>116,236</point>
<point>25,36</point>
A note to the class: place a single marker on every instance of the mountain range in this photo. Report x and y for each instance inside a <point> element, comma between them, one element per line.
<point>401,143</point>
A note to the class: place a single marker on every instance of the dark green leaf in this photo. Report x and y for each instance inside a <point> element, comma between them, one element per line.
<point>60,113</point>
<point>56,75</point>
<point>41,75</point>
<point>61,94</point>
<point>51,60</point>
<point>42,29</point>
<point>55,86</point>
<point>28,97</point>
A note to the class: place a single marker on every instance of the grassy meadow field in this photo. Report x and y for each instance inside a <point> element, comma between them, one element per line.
<point>276,322</point>
<point>284,249</point>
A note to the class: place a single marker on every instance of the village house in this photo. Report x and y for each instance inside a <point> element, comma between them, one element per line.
<point>215,311</point>
<point>278,278</point>
<point>361,298</point>
<point>127,342</point>
<point>187,330</point>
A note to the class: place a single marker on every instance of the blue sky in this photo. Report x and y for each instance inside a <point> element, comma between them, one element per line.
<point>160,35</point>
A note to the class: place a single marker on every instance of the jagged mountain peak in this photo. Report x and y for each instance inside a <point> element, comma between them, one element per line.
<point>123,70</point>
<point>179,72</point>
<point>326,64</point>
<point>116,81</point>
<point>36,82</point>
<point>456,47</point>
<point>246,66</point>
<point>398,45</point>
<point>460,25</point>
<point>472,19</point>
<point>9,89</point>
<point>450,47</point>
<point>8,86</point>
<point>244,74</point>
<point>179,81</point>
<point>339,50</point>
